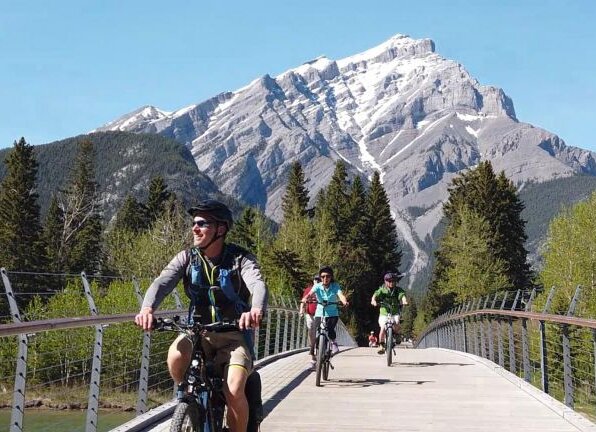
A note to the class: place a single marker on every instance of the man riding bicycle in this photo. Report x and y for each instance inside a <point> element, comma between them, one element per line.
<point>389,293</point>
<point>219,278</point>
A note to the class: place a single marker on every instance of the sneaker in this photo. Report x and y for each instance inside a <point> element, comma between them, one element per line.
<point>381,351</point>
<point>334,348</point>
<point>312,363</point>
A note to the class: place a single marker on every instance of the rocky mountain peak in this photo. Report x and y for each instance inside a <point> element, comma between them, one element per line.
<point>398,108</point>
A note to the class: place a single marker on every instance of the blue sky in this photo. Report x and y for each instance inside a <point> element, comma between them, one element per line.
<point>67,67</point>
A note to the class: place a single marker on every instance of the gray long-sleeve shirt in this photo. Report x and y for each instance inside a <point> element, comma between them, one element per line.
<point>253,284</point>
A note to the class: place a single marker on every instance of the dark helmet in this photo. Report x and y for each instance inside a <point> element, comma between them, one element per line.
<point>326,269</point>
<point>216,209</point>
<point>389,276</point>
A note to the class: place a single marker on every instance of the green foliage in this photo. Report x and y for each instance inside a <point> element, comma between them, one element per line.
<point>570,256</point>
<point>475,270</point>
<point>148,252</point>
<point>482,250</point>
<point>131,216</point>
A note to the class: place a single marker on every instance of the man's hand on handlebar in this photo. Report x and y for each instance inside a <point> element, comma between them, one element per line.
<point>250,319</point>
<point>144,318</point>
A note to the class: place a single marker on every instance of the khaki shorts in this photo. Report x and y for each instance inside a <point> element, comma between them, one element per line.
<point>383,320</point>
<point>225,349</point>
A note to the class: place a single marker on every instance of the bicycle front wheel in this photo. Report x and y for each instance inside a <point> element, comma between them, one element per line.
<point>322,349</point>
<point>187,418</point>
<point>326,368</point>
<point>389,347</point>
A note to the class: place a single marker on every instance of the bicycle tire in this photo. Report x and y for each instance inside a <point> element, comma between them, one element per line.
<point>320,358</point>
<point>326,368</point>
<point>187,418</point>
<point>389,346</point>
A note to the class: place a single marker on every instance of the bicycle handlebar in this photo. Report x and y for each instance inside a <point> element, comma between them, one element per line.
<point>167,324</point>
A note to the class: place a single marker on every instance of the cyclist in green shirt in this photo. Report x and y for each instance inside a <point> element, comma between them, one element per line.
<point>395,297</point>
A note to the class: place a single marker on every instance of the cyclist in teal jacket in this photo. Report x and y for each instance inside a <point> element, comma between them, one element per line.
<point>327,290</point>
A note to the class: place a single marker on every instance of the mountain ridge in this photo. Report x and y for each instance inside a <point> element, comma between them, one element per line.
<point>399,108</point>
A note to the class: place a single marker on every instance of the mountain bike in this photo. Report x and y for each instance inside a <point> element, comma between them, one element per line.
<point>201,401</point>
<point>323,348</point>
<point>389,323</point>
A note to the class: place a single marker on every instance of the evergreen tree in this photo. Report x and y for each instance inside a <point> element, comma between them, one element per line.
<point>157,199</point>
<point>494,199</point>
<point>243,233</point>
<point>295,200</point>
<point>475,270</point>
<point>336,200</point>
<point>354,264</point>
<point>131,216</point>
<point>52,234</point>
<point>81,236</point>
<point>21,244</point>
<point>384,253</point>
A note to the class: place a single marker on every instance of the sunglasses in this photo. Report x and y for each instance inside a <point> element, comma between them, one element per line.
<point>201,223</point>
<point>324,276</point>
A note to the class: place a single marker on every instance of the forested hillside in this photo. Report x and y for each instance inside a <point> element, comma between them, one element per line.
<point>543,201</point>
<point>124,163</point>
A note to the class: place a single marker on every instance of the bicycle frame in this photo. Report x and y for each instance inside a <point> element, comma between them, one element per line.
<point>323,348</point>
<point>201,394</point>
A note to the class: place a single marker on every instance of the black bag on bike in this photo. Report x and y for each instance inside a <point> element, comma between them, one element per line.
<point>252,390</point>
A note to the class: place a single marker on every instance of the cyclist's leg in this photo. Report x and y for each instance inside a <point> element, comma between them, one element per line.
<point>179,355</point>
<point>382,320</point>
<point>233,356</point>
<point>331,323</point>
<point>312,331</point>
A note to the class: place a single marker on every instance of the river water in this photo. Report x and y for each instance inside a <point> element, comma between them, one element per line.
<point>45,420</point>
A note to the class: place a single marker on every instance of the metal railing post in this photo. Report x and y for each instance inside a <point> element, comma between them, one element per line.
<point>543,345</point>
<point>512,362</point>
<point>567,369</point>
<point>500,333</point>
<point>267,334</point>
<point>284,346</point>
<point>525,342</point>
<point>20,376</point>
<point>146,351</point>
<point>93,404</point>
<point>277,331</point>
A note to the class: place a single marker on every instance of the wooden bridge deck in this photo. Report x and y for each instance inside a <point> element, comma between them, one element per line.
<point>424,390</point>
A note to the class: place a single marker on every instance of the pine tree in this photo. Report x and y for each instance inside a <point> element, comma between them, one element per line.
<point>21,247</point>
<point>52,234</point>
<point>81,236</point>
<point>496,200</point>
<point>354,263</point>
<point>157,199</point>
<point>295,199</point>
<point>131,216</point>
<point>336,200</point>
<point>475,269</point>
<point>384,250</point>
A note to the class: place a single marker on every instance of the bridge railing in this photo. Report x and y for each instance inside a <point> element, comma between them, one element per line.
<point>555,352</point>
<point>93,360</point>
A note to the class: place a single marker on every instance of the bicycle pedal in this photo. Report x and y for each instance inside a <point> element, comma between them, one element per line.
<point>331,366</point>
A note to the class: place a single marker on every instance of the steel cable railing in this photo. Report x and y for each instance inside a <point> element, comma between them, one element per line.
<point>555,352</point>
<point>49,345</point>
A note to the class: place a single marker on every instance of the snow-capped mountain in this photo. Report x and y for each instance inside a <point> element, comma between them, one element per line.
<point>399,108</point>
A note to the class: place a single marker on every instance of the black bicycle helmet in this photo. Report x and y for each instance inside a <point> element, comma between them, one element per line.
<point>215,209</point>
<point>326,269</point>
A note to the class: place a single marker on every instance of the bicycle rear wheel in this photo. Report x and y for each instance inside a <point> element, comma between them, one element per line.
<point>187,418</point>
<point>322,348</point>
<point>389,347</point>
